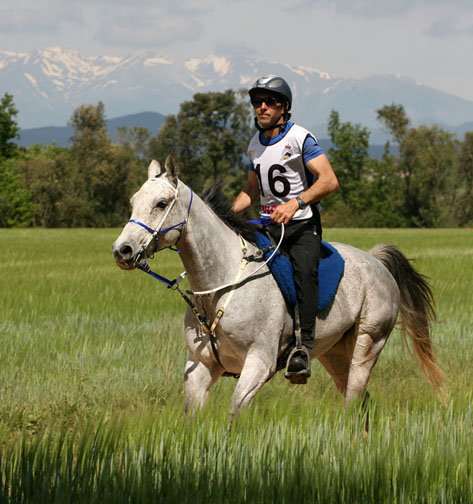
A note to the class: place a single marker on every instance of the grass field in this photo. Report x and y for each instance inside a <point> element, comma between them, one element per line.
<point>91,391</point>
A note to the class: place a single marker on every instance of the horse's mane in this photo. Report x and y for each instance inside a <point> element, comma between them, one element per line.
<point>217,201</point>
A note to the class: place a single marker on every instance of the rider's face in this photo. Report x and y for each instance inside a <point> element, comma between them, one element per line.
<point>268,109</point>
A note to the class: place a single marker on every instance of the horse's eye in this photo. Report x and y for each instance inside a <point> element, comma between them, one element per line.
<point>162,203</point>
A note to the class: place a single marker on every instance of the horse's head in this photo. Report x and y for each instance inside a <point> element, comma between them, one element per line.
<point>157,219</point>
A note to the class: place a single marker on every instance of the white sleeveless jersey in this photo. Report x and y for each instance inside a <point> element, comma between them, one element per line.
<point>280,170</point>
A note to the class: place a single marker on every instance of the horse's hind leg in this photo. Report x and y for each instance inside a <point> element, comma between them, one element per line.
<point>337,360</point>
<point>365,354</point>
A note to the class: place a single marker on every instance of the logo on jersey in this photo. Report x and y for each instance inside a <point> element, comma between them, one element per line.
<point>286,153</point>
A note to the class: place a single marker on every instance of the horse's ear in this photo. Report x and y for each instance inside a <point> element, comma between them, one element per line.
<point>172,167</point>
<point>154,169</point>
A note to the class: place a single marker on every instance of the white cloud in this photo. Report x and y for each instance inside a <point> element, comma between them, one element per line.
<point>150,27</point>
<point>377,8</point>
<point>46,19</point>
<point>448,28</point>
<point>160,32</point>
<point>234,48</point>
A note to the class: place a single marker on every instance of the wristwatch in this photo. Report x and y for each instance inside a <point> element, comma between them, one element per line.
<point>302,203</point>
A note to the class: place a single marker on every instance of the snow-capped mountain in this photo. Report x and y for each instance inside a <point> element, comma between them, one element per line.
<point>48,84</point>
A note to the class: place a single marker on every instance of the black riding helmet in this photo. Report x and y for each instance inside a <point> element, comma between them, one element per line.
<point>275,85</point>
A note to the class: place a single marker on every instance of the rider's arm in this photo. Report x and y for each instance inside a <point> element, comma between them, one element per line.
<point>325,185</point>
<point>326,182</point>
<point>248,195</point>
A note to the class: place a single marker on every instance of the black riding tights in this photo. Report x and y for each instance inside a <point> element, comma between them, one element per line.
<point>301,243</point>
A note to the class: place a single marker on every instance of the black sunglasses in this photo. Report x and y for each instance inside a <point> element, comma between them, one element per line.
<point>269,100</point>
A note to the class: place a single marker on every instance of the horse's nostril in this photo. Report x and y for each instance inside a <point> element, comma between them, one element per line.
<point>126,251</point>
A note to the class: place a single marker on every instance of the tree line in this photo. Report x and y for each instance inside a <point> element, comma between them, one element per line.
<point>424,178</point>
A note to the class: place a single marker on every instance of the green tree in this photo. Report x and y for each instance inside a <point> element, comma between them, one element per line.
<point>464,203</point>
<point>103,175</point>
<point>136,138</point>
<point>88,120</point>
<point>425,169</point>
<point>15,201</point>
<point>367,192</point>
<point>8,126</point>
<point>209,136</point>
<point>395,120</point>
<point>88,184</point>
<point>349,158</point>
<point>46,174</point>
<point>349,152</point>
<point>429,157</point>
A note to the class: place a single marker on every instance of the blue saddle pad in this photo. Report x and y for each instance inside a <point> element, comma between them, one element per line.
<point>331,269</point>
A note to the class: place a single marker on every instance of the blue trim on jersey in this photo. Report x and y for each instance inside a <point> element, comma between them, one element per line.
<point>311,149</point>
<point>271,141</point>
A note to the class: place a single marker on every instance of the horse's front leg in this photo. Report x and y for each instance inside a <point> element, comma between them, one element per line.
<point>259,367</point>
<point>201,370</point>
<point>198,378</point>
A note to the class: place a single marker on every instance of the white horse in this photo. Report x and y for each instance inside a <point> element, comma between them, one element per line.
<point>252,324</point>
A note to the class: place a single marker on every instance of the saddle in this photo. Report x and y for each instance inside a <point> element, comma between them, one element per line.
<point>331,268</point>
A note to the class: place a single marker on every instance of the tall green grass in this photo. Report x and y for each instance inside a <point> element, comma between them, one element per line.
<point>91,391</point>
<point>317,455</point>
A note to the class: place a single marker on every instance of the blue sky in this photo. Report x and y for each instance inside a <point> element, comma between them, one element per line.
<point>428,40</point>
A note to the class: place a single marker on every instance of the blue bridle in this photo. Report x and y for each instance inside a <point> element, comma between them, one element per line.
<point>158,231</point>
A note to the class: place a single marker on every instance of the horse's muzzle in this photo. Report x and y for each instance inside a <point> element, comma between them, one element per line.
<point>126,256</point>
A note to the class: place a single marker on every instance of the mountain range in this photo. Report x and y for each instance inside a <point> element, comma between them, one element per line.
<point>48,84</point>
<point>62,134</point>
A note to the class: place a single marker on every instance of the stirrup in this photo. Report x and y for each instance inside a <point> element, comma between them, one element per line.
<point>298,377</point>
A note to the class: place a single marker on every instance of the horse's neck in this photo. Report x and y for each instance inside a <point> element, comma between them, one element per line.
<point>210,251</point>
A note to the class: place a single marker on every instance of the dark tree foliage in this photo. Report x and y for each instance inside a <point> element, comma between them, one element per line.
<point>88,184</point>
<point>15,202</point>
<point>427,182</point>
<point>103,172</point>
<point>425,171</point>
<point>395,120</point>
<point>209,136</point>
<point>88,120</point>
<point>464,203</point>
<point>365,183</point>
<point>8,127</point>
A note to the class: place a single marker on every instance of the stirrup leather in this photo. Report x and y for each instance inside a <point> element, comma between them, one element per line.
<point>298,377</point>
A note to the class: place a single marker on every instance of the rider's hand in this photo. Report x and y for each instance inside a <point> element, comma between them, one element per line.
<point>285,212</point>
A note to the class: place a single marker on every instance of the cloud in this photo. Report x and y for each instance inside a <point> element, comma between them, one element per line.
<point>376,8</point>
<point>181,8</point>
<point>48,20</point>
<point>234,48</point>
<point>150,28</point>
<point>448,28</point>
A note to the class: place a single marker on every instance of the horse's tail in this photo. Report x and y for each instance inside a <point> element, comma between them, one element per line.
<point>417,310</point>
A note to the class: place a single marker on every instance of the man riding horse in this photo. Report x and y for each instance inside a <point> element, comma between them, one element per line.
<point>290,174</point>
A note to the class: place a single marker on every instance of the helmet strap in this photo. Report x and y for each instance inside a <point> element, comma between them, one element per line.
<point>260,128</point>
